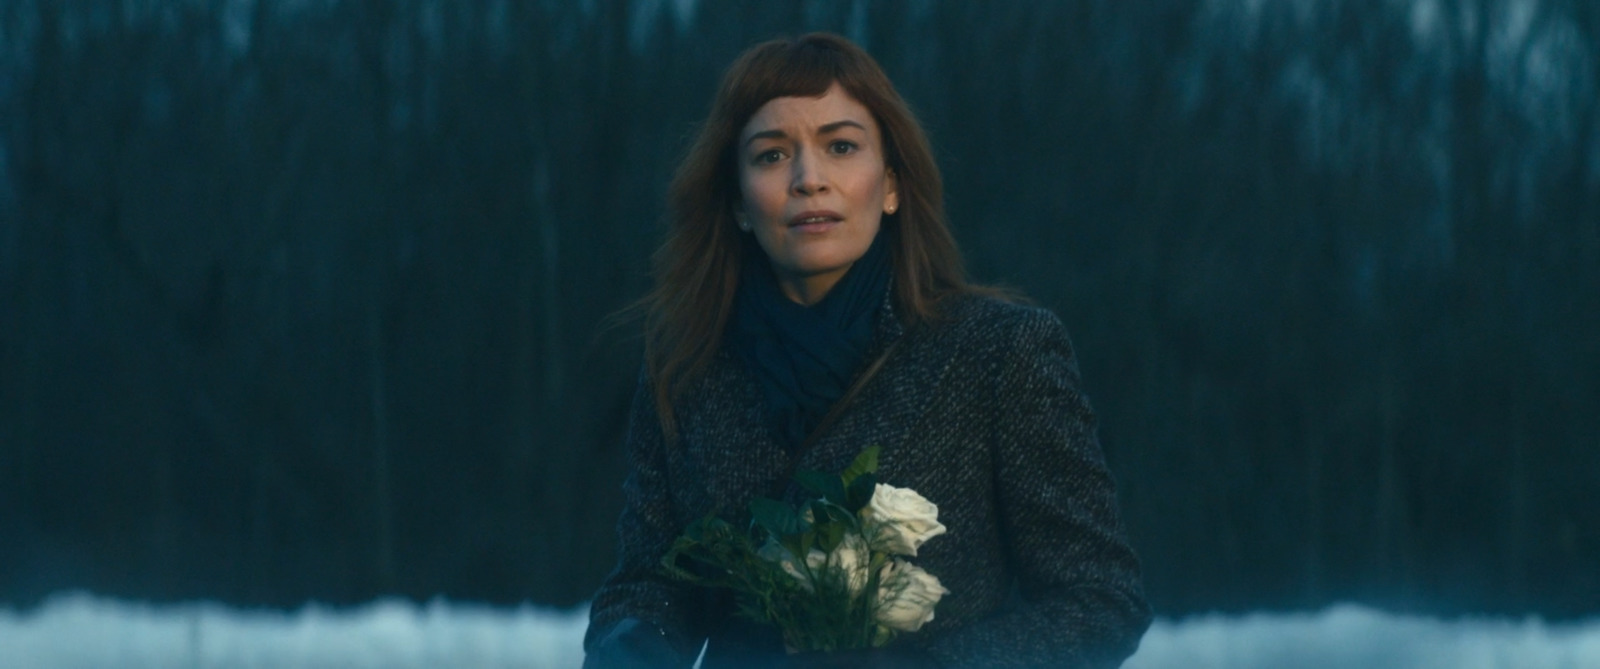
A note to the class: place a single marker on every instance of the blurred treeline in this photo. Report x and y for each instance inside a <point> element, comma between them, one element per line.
<point>302,299</point>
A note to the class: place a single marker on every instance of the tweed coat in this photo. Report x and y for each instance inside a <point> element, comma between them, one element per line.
<point>981,413</point>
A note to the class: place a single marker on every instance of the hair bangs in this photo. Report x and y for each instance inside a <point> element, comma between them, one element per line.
<point>797,69</point>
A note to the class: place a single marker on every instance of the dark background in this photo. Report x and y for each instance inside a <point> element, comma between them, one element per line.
<point>302,299</point>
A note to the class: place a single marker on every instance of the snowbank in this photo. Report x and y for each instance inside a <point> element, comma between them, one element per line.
<point>81,631</point>
<point>1354,637</point>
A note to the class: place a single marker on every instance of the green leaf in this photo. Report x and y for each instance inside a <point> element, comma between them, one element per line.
<point>797,544</point>
<point>826,486</point>
<point>695,562</point>
<point>776,517</point>
<point>829,536</point>
<point>834,513</point>
<point>829,515</point>
<point>860,492</point>
<point>794,543</point>
<point>865,463</point>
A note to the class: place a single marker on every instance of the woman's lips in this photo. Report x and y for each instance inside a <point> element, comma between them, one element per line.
<point>814,221</point>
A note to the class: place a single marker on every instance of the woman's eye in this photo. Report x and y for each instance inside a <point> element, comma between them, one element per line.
<point>768,157</point>
<point>842,147</point>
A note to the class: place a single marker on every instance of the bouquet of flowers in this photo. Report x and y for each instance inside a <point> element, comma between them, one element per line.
<point>831,574</point>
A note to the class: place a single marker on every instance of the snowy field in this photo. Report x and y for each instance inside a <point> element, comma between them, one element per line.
<point>83,631</point>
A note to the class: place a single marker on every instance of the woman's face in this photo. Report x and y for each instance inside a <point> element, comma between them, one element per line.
<point>814,186</point>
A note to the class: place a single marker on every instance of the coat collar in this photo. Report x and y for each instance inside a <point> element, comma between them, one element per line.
<point>883,414</point>
<point>892,402</point>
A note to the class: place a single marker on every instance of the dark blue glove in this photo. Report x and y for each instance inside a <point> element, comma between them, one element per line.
<point>893,657</point>
<point>633,644</point>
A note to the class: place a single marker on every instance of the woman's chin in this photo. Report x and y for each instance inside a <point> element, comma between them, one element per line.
<point>813,268</point>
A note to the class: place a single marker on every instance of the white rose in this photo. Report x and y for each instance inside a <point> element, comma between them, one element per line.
<point>849,558</point>
<point>899,521</point>
<point>906,596</point>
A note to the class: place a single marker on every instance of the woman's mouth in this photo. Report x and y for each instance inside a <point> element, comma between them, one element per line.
<point>814,221</point>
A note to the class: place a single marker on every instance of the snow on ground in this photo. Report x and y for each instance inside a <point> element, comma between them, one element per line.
<point>81,631</point>
<point>1355,637</point>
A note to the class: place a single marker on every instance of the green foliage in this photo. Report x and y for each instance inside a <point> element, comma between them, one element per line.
<point>831,524</point>
<point>828,486</point>
<point>776,517</point>
<point>793,569</point>
<point>864,464</point>
<point>859,492</point>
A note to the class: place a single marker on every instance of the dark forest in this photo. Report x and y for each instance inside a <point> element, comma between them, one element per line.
<point>307,300</point>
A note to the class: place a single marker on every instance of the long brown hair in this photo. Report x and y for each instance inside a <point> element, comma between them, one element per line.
<point>697,267</point>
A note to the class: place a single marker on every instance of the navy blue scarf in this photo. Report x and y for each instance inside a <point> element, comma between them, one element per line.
<point>805,357</point>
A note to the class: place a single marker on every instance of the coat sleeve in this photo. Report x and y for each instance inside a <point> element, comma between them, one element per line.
<point>636,593</point>
<point>1079,601</point>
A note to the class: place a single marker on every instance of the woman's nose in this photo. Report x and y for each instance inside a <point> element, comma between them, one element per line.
<point>808,177</point>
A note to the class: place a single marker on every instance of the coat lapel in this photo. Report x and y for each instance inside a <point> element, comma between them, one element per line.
<point>888,407</point>
<point>730,452</point>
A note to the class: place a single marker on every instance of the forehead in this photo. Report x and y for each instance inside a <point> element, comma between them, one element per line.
<point>807,114</point>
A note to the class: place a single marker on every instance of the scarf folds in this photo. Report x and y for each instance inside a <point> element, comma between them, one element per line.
<point>805,357</point>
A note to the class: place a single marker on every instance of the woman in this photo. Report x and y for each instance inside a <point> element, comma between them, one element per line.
<point>808,252</point>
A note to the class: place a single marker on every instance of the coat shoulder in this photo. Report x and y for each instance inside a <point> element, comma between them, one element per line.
<point>992,319</point>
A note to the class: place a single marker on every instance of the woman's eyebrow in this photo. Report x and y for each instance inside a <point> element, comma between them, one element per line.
<point>824,130</point>
<point>836,125</point>
<point>766,134</point>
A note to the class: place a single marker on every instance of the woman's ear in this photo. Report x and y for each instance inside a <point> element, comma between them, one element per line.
<point>739,217</point>
<point>891,193</point>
